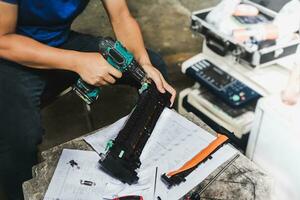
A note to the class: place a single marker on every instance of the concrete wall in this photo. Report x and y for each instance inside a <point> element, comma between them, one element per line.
<point>164,23</point>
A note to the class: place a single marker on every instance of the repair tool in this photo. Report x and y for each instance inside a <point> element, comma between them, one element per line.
<point>194,196</point>
<point>219,173</point>
<point>121,59</point>
<point>155,181</point>
<point>223,33</point>
<point>131,197</point>
<point>178,176</point>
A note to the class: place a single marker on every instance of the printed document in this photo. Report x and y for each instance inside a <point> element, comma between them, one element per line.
<point>174,141</point>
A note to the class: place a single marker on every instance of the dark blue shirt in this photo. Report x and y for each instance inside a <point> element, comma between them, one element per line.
<point>47,21</point>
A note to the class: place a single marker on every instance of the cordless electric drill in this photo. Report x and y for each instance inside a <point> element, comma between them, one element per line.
<point>121,59</point>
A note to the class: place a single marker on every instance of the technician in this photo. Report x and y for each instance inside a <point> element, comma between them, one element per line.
<point>39,57</point>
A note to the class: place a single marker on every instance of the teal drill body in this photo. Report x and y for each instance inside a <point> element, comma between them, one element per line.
<point>127,57</point>
<point>121,59</point>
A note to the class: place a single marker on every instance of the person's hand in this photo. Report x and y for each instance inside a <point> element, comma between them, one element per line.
<point>95,70</point>
<point>290,97</point>
<point>160,82</point>
<point>291,94</point>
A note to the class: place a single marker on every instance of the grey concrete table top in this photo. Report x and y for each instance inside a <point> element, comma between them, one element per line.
<point>242,179</point>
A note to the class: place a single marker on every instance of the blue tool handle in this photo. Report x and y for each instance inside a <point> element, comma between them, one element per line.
<point>87,92</point>
<point>117,56</point>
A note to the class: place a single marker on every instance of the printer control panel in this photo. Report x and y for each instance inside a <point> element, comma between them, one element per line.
<point>231,90</point>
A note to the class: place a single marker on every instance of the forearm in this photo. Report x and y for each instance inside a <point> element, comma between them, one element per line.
<point>31,53</point>
<point>128,32</point>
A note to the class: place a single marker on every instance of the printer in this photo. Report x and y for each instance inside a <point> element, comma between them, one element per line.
<point>230,77</point>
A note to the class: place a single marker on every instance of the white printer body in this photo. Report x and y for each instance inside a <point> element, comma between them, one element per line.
<point>266,81</point>
<point>274,144</point>
<point>266,78</point>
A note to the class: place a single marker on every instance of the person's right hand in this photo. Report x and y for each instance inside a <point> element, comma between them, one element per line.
<point>95,70</point>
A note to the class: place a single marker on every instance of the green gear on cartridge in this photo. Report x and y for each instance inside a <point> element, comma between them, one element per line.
<point>144,87</point>
<point>109,145</point>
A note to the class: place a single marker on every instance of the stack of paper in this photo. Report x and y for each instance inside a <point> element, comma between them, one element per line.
<point>173,142</point>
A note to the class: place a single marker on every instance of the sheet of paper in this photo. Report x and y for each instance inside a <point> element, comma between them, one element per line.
<point>99,140</point>
<point>173,142</point>
<point>78,177</point>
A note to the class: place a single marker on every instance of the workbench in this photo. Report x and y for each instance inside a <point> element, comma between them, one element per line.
<point>242,180</point>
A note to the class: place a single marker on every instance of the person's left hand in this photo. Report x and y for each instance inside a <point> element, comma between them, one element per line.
<point>291,94</point>
<point>160,82</point>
